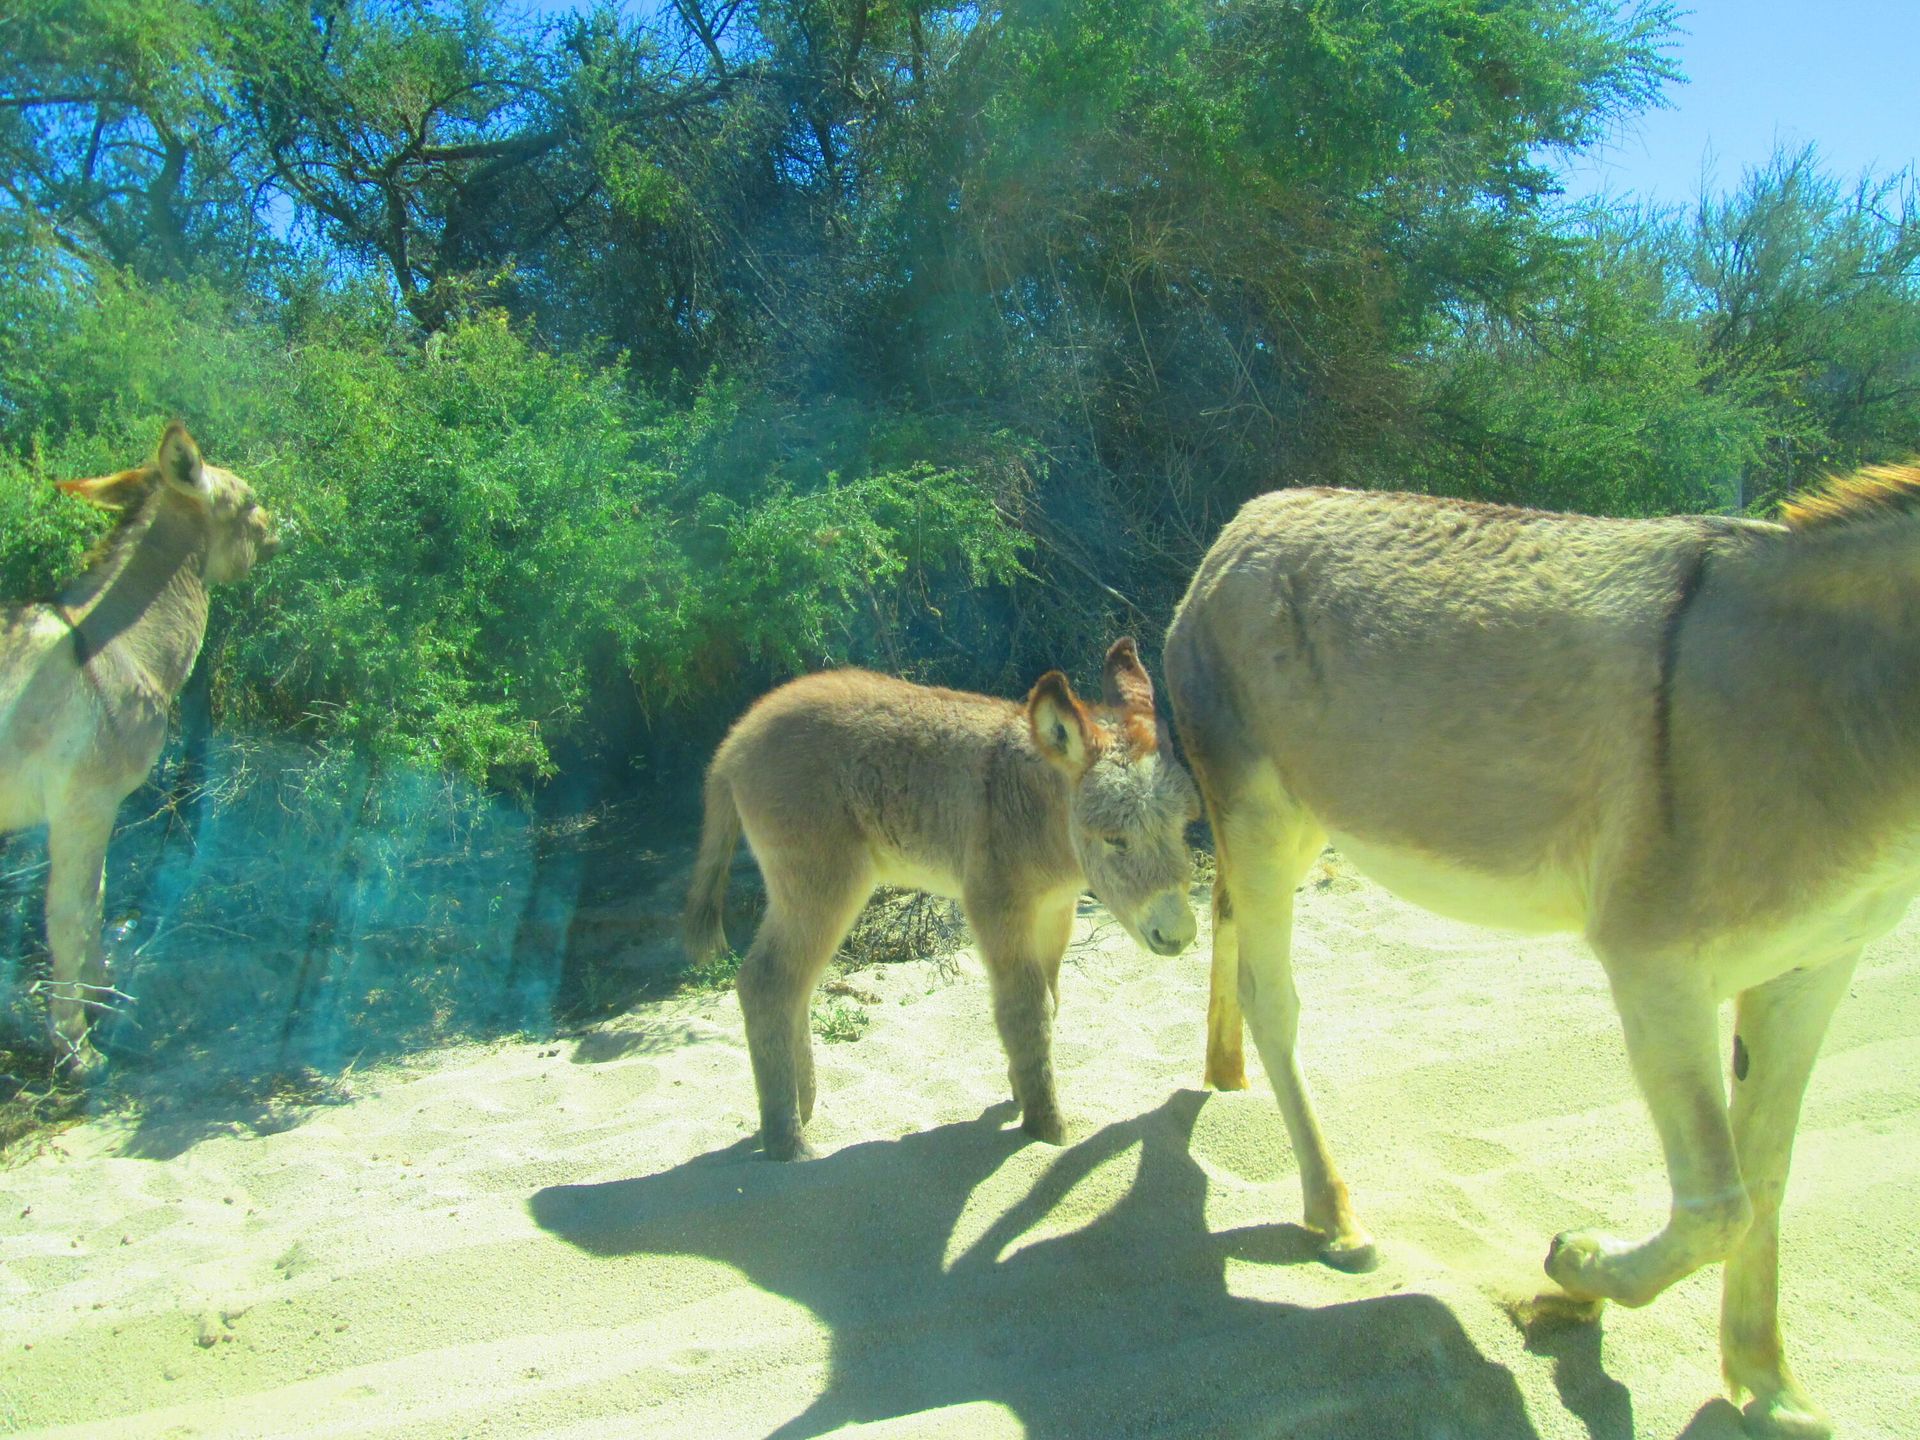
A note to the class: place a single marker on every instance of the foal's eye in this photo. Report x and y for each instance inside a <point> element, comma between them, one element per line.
<point>1118,842</point>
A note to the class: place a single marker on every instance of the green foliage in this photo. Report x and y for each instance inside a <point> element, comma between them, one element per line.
<point>840,1020</point>
<point>1807,297</point>
<point>1598,400</point>
<point>605,371</point>
<point>115,137</point>
<point>1717,360</point>
<point>44,535</point>
<point>489,543</point>
<point>717,974</point>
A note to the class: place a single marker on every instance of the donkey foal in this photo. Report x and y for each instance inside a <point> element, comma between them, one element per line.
<point>848,780</point>
<point>86,683</point>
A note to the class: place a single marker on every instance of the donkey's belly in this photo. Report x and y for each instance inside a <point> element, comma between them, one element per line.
<point>909,874</point>
<point>1743,959</point>
<point>1538,902</point>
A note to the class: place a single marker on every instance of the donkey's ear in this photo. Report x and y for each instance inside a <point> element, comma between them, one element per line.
<point>1061,729</point>
<point>111,492</point>
<point>179,460</point>
<point>1124,683</point>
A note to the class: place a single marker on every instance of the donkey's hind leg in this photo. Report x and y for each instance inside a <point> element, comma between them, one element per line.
<point>1777,1028</point>
<point>1265,846</point>
<point>1668,1015</point>
<point>807,917</point>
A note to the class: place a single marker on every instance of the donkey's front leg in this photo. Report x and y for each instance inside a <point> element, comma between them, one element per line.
<point>77,849</point>
<point>1670,1030</point>
<point>1022,943</point>
<point>1262,897</point>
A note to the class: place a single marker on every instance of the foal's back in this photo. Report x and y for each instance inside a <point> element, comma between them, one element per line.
<point>849,755</point>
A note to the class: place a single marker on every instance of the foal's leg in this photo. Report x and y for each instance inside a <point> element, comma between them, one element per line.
<point>1669,1019</point>
<point>808,914</point>
<point>1777,1028</point>
<point>1053,928</point>
<point>1022,944</point>
<point>77,849</point>
<point>1269,845</point>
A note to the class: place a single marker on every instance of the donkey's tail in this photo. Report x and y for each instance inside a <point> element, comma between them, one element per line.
<point>701,923</point>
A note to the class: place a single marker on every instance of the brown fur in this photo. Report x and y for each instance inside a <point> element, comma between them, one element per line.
<point>848,780</point>
<point>1691,739</point>
<point>86,684</point>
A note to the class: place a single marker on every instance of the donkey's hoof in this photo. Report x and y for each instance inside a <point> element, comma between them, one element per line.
<point>1590,1266</point>
<point>787,1147</point>
<point>1045,1126</point>
<point>1225,1078</point>
<point>1574,1260</point>
<point>1786,1416</point>
<point>1354,1253</point>
<point>80,1064</point>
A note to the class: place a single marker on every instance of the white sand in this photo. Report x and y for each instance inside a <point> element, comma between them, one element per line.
<point>579,1240</point>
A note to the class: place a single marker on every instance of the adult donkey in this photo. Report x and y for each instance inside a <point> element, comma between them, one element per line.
<point>848,780</point>
<point>86,683</point>
<point>1692,739</point>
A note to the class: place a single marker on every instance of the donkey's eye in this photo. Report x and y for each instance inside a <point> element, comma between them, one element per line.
<point>1118,842</point>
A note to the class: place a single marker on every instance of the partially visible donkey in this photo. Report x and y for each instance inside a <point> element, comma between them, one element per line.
<point>1694,739</point>
<point>848,780</point>
<point>86,683</point>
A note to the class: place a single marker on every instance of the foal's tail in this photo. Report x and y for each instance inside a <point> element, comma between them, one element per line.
<point>701,923</point>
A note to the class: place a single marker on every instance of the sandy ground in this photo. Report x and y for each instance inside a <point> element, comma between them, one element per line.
<point>578,1239</point>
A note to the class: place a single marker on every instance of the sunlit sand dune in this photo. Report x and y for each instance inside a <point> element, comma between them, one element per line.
<point>576,1238</point>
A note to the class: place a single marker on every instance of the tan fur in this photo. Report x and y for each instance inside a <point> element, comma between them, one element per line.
<point>1691,739</point>
<point>848,780</point>
<point>86,683</point>
<point>1868,493</point>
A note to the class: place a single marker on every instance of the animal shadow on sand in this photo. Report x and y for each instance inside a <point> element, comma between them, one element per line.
<point>1124,1326</point>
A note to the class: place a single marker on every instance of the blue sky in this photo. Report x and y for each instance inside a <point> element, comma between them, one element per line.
<point>1841,74</point>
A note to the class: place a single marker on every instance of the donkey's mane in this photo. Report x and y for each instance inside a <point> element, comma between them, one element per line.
<point>1874,492</point>
<point>101,562</point>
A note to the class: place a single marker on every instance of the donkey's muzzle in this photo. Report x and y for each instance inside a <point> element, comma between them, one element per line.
<point>1168,926</point>
<point>1162,943</point>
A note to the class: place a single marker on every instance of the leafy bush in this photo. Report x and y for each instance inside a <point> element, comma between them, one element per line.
<point>493,548</point>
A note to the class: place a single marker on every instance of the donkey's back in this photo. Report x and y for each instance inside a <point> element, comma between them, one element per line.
<point>1442,678</point>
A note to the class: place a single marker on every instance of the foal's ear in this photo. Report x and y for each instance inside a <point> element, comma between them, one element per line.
<point>179,460</point>
<point>1124,683</point>
<point>1061,729</point>
<point>123,491</point>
